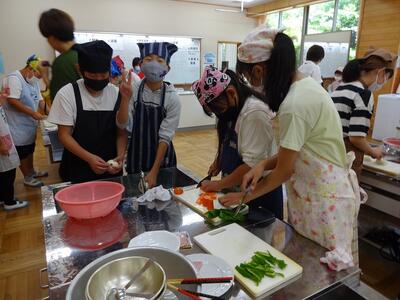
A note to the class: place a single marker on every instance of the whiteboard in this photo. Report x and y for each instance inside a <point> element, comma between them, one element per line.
<point>185,63</point>
<point>337,47</point>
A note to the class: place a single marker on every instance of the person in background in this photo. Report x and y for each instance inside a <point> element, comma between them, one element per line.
<point>338,80</point>
<point>152,115</point>
<point>354,100</point>
<point>136,70</point>
<point>85,113</point>
<point>245,134</point>
<point>22,114</point>
<point>117,69</point>
<point>9,161</point>
<point>310,67</point>
<point>322,190</point>
<point>58,27</point>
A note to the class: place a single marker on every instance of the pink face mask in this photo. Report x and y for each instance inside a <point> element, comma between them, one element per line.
<point>211,84</point>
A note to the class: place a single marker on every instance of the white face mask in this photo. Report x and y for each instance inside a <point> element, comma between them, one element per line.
<point>338,78</point>
<point>375,85</point>
<point>33,80</point>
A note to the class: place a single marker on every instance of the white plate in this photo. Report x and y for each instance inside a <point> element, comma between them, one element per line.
<point>168,295</point>
<point>211,266</point>
<point>158,238</point>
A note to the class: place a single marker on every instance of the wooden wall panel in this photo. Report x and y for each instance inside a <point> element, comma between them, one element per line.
<point>379,27</point>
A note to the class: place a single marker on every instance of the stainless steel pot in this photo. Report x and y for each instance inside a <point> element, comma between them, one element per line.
<point>175,265</point>
<point>117,273</point>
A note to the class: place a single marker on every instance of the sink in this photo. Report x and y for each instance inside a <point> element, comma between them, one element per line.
<point>339,291</point>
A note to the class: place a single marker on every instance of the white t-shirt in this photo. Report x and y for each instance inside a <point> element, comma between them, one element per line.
<point>22,126</point>
<point>255,132</point>
<point>15,85</point>
<point>63,111</point>
<point>311,69</point>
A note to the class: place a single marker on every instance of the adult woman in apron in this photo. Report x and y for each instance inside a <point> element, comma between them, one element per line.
<point>323,193</point>
<point>239,114</point>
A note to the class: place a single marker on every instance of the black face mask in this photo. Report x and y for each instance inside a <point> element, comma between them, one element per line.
<point>96,85</point>
<point>230,114</point>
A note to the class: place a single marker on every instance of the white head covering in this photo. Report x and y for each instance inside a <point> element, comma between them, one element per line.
<point>257,45</point>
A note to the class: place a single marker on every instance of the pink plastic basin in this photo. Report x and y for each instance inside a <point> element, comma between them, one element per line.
<point>90,199</point>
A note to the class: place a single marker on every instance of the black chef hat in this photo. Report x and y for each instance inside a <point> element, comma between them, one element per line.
<point>94,57</point>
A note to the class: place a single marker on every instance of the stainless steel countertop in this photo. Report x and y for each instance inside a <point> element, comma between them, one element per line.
<point>71,245</point>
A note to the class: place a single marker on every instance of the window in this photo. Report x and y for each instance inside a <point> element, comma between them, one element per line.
<point>273,20</point>
<point>320,17</point>
<point>292,20</point>
<point>347,19</point>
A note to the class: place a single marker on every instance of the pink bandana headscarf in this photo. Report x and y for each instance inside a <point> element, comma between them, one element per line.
<point>211,84</point>
<point>257,45</point>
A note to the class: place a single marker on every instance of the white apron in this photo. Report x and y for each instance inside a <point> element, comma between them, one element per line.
<point>323,205</point>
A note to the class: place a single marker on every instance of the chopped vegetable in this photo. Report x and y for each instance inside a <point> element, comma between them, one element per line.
<point>178,191</point>
<point>207,200</point>
<point>225,215</point>
<point>262,264</point>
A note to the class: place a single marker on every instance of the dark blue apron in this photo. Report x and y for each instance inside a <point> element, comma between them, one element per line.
<point>231,159</point>
<point>144,141</point>
<point>96,132</point>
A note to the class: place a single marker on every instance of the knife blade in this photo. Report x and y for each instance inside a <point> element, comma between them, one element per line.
<point>208,177</point>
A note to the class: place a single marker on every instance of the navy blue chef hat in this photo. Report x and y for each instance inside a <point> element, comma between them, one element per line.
<point>163,49</point>
<point>94,57</point>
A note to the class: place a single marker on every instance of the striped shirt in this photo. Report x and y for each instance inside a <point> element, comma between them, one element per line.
<point>355,105</point>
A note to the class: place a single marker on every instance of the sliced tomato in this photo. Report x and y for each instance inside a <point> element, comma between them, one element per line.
<point>178,191</point>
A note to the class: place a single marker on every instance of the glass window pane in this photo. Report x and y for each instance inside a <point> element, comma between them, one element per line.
<point>292,20</point>
<point>347,19</point>
<point>320,18</point>
<point>272,20</point>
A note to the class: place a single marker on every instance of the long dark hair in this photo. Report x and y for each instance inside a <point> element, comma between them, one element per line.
<point>352,70</point>
<point>225,128</point>
<point>280,71</point>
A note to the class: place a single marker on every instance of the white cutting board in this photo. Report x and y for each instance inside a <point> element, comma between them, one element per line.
<point>390,168</point>
<point>236,245</point>
<point>189,198</point>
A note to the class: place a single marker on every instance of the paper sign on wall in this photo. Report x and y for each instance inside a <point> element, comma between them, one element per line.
<point>210,59</point>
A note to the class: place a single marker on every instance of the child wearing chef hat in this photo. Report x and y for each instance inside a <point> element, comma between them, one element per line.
<point>151,116</point>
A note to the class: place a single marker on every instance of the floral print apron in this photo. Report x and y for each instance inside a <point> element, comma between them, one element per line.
<point>323,205</point>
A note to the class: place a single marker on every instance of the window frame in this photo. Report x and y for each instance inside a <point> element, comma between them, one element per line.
<point>306,19</point>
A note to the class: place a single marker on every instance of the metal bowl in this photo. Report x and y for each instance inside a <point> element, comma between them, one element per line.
<point>175,265</point>
<point>117,273</point>
<point>391,147</point>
